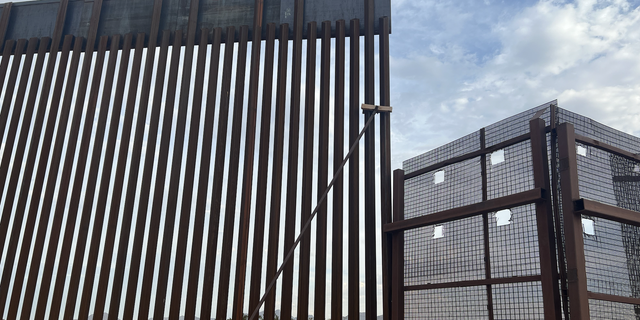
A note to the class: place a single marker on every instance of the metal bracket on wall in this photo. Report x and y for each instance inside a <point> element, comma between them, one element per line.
<point>367,107</point>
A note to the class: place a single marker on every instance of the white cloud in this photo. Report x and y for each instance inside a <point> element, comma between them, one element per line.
<point>446,85</point>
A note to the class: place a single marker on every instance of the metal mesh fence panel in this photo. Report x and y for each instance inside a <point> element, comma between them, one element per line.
<point>453,186</point>
<point>612,260</point>
<point>511,175</point>
<point>518,301</point>
<point>612,249</point>
<point>604,310</point>
<point>447,303</point>
<point>513,243</point>
<point>515,125</point>
<point>464,145</point>
<point>592,129</point>
<point>448,252</point>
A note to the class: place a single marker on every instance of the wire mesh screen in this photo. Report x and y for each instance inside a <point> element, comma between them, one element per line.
<point>513,243</point>
<point>518,301</point>
<point>593,129</point>
<point>464,145</point>
<point>611,252</point>
<point>605,310</point>
<point>452,251</point>
<point>611,248</point>
<point>509,170</point>
<point>515,125</point>
<point>450,187</point>
<point>447,303</point>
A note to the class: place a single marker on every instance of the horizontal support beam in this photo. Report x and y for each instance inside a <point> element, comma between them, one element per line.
<point>473,283</point>
<point>373,107</point>
<point>609,148</point>
<point>471,155</point>
<point>612,298</point>
<point>609,212</point>
<point>514,200</point>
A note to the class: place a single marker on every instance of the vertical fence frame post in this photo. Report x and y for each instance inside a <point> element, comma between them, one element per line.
<point>397,250</point>
<point>574,243</point>
<point>544,221</point>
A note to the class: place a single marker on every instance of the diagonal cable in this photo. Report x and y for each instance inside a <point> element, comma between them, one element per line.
<point>313,214</point>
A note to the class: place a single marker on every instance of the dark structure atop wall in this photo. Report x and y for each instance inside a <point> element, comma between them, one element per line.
<point>160,158</point>
<point>533,217</point>
<point>36,18</point>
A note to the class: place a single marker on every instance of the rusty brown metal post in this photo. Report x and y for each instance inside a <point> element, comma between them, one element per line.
<point>576,272</point>
<point>83,153</point>
<point>43,297</point>
<point>307,173</point>
<point>156,205</point>
<point>22,136</point>
<point>555,184</point>
<point>132,181</point>
<point>4,65</point>
<point>233,177</point>
<point>40,174</point>
<point>371,305</point>
<point>92,180</point>
<point>263,168</point>
<point>166,257</point>
<point>292,172</point>
<point>249,157</point>
<point>218,174</point>
<point>544,221</point>
<point>354,172</point>
<point>338,188</point>
<point>106,172</point>
<point>12,129</point>
<point>277,165</point>
<point>397,250</point>
<point>183,228</point>
<point>320,305</point>
<point>385,163</point>
<point>203,179</point>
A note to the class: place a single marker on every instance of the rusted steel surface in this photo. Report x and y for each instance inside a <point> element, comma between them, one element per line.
<point>338,189</point>
<point>371,296</point>
<point>263,169</point>
<point>353,282</point>
<point>291,206</point>
<point>597,209</point>
<point>544,222</point>
<point>40,174</point>
<point>58,216</point>
<point>323,170</point>
<point>385,161</point>
<point>576,272</point>
<point>218,174</point>
<point>93,177</point>
<point>133,191</point>
<point>307,175</point>
<point>233,178</point>
<point>109,157</point>
<point>397,250</point>
<point>12,248</point>
<point>277,165</point>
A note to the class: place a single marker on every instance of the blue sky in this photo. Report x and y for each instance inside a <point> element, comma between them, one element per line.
<point>457,66</point>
